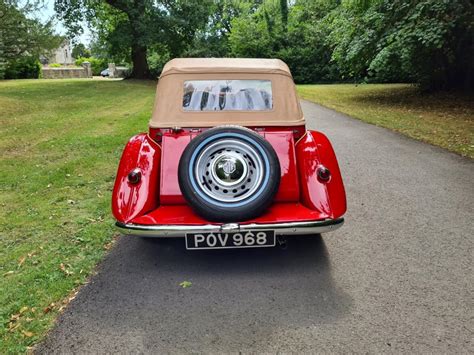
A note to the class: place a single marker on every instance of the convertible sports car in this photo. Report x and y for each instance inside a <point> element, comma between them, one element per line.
<point>227,161</point>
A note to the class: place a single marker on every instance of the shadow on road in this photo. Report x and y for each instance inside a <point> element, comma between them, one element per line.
<point>239,298</point>
<point>304,254</point>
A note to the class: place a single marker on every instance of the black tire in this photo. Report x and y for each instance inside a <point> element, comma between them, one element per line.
<point>241,157</point>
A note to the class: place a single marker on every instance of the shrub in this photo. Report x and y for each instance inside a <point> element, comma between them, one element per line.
<point>97,64</point>
<point>54,65</point>
<point>23,68</point>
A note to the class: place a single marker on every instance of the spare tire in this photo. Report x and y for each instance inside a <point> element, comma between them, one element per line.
<point>229,174</point>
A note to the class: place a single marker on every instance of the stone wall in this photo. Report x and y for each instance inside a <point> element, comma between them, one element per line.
<point>68,72</point>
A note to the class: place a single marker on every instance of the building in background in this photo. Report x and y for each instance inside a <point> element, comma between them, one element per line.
<point>61,55</point>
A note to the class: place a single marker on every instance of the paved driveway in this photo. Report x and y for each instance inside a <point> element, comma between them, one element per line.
<point>397,277</point>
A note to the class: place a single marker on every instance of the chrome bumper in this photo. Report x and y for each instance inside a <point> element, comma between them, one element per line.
<point>286,228</point>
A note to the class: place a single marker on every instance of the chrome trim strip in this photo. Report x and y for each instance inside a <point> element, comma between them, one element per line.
<point>285,228</point>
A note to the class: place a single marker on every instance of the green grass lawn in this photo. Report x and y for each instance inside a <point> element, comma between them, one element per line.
<point>61,141</point>
<point>443,119</point>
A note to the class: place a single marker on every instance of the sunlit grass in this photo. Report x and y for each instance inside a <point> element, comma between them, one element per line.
<point>443,119</point>
<point>61,142</point>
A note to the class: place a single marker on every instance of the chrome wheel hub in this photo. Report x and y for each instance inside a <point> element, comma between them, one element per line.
<point>229,170</point>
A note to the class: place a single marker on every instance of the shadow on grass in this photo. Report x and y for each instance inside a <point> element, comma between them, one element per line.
<point>413,98</point>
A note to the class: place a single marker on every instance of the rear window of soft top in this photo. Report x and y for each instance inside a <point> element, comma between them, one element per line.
<point>227,95</point>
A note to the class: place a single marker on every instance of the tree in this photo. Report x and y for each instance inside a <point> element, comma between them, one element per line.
<point>80,50</point>
<point>254,34</point>
<point>295,34</point>
<point>212,40</point>
<point>306,50</point>
<point>23,39</point>
<point>22,36</point>
<point>136,25</point>
<point>430,42</point>
<point>284,14</point>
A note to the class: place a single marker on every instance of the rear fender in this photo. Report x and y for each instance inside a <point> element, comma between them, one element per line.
<point>313,151</point>
<point>131,200</point>
<point>173,145</point>
<point>284,146</point>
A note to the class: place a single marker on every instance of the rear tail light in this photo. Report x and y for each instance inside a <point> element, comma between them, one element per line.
<point>135,176</point>
<point>323,174</point>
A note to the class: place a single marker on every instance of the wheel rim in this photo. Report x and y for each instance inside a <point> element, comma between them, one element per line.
<point>229,170</point>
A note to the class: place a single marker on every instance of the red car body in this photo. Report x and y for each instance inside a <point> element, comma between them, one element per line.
<point>307,200</point>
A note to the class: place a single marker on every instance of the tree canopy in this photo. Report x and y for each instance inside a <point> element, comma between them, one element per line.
<point>23,37</point>
<point>429,42</point>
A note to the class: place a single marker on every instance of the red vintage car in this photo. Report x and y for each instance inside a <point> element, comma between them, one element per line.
<point>227,161</point>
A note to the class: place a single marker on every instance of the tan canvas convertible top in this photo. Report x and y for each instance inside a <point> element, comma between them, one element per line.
<point>168,110</point>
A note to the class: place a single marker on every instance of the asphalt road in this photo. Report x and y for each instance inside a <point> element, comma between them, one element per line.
<point>397,277</point>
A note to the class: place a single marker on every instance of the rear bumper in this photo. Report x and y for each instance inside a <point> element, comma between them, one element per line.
<point>286,228</point>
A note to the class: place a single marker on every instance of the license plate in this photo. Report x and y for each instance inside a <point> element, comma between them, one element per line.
<point>247,239</point>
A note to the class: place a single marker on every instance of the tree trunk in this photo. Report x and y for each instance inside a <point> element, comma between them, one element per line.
<point>284,15</point>
<point>134,11</point>
<point>140,63</point>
